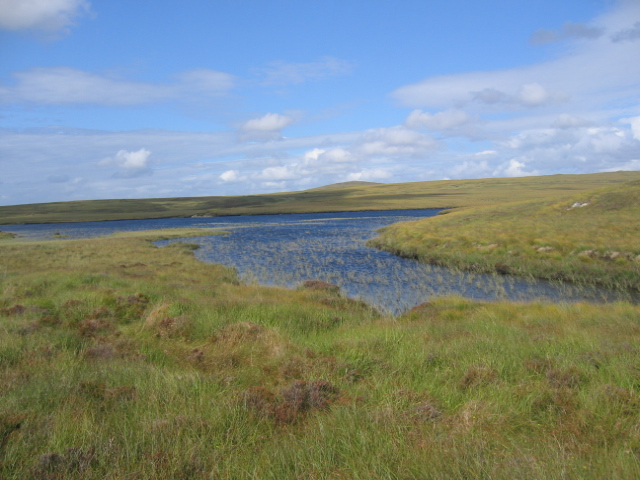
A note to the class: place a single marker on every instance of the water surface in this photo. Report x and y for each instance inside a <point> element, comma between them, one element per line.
<point>286,250</point>
<point>329,247</point>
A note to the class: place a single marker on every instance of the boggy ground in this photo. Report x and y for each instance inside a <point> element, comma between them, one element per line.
<point>589,238</point>
<point>124,361</point>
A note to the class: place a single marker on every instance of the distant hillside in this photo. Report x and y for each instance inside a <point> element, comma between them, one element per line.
<point>355,183</point>
<point>349,196</point>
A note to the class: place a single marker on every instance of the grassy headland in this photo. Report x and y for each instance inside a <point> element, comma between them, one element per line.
<point>122,360</point>
<point>351,196</point>
<point>590,237</point>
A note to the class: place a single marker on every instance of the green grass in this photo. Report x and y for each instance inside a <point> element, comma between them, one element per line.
<point>350,196</point>
<point>594,242</point>
<point>122,360</point>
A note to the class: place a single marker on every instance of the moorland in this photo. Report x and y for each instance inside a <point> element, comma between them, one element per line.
<point>119,359</point>
<point>348,196</point>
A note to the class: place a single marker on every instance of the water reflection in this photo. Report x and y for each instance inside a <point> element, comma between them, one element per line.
<point>333,250</point>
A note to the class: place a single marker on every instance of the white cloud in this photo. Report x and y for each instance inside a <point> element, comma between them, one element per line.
<point>395,142</point>
<point>604,140</point>
<point>267,123</point>
<point>369,175</point>
<point>514,168</point>
<point>190,164</point>
<point>336,155</point>
<point>630,166</point>
<point>566,120</point>
<point>285,73</point>
<point>635,126</point>
<point>132,160</point>
<point>437,121</point>
<point>506,89</point>
<point>384,147</point>
<point>470,169</point>
<point>131,164</point>
<point>587,75</point>
<point>278,173</point>
<point>230,176</point>
<point>485,153</point>
<point>65,86</point>
<point>44,15</point>
<point>533,94</point>
<point>577,113</point>
<point>312,155</point>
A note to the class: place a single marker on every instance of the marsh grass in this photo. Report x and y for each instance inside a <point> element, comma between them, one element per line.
<point>122,360</point>
<point>590,238</point>
<point>335,253</point>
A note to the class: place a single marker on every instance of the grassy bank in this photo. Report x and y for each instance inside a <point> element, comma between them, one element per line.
<point>351,196</point>
<point>121,360</point>
<point>590,237</point>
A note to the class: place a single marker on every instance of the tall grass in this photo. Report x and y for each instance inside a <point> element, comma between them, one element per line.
<point>122,360</point>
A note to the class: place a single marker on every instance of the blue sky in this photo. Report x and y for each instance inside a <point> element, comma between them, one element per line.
<point>160,98</point>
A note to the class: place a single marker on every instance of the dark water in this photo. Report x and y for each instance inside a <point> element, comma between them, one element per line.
<point>286,250</point>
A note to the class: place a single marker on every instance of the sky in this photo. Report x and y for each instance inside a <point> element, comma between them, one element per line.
<point>164,98</point>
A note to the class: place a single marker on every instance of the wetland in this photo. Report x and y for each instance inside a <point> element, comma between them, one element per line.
<point>287,250</point>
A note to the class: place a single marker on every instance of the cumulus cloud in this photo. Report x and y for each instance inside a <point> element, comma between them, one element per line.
<point>188,163</point>
<point>370,155</point>
<point>66,86</point>
<point>230,176</point>
<point>132,160</point>
<point>514,168</point>
<point>438,121</point>
<point>43,15</point>
<point>264,128</point>
<point>605,140</point>
<point>569,150</point>
<point>131,164</point>
<point>285,73</point>
<point>576,113</point>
